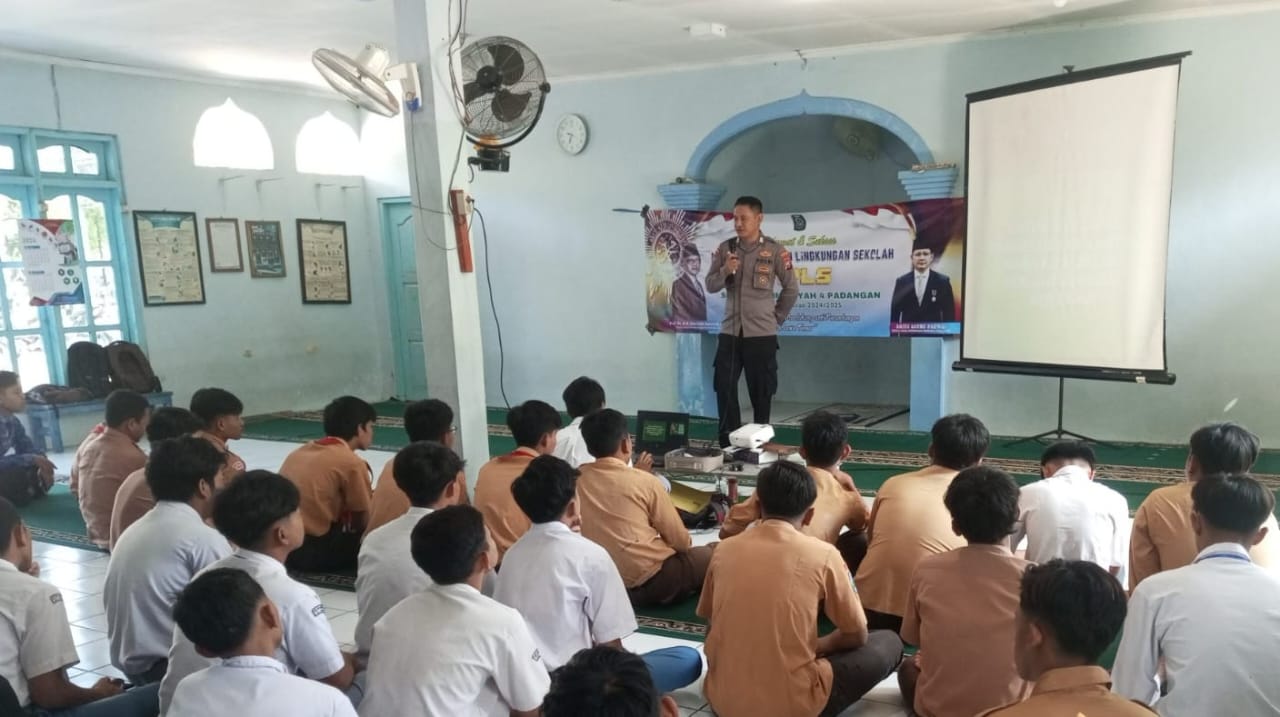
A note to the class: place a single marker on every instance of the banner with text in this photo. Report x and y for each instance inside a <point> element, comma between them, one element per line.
<point>51,261</point>
<point>888,270</point>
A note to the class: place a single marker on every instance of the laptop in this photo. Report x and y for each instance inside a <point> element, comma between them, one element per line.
<point>659,432</point>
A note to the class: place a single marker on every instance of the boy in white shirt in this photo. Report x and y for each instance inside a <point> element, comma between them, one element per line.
<point>1071,516</point>
<point>431,476</point>
<point>1211,624</point>
<point>449,650</point>
<point>582,396</point>
<point>38,646</point>
<point>259,513</point>
<point>567,587</point>
<point>228,616</point>
<point>158,555</point>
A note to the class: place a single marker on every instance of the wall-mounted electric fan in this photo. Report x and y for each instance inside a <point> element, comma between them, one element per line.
<point>504,88</point>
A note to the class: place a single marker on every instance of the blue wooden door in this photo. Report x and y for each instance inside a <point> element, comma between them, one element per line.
<point>402,283</point>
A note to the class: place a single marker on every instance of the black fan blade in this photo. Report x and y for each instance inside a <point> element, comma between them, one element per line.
<point>472,91</point>
<point>508,106</point>
<point>508,62</point>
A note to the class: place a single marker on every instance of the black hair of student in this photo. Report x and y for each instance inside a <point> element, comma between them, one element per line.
<point>1067,451</point>
<point>170,422</point>
<point>216,611</point>
<point>428,420</point>
<point>983,503</point>
<point>604,431</point>
<point>346,415</point>
<point>1079,602</point>
<point>10,518</point>
<point>246,509</point>
<point>210,404</point>
<point>178,466</point>
<point>532,420</point>
<point>749,202</point>
<point>446,543</point>
<point>583,395</point>
<point>545,488</point>
<point>959,441</point>
<point>602,681</point>
<point>785,490</point>
<point>1236,502</point>
<point>7,379</point>
<point>823,435</point>
<point>1224,448</point>
<point>122,405</point>
<point>424,469</point>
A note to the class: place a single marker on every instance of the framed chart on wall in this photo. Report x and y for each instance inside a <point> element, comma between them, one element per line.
<point>266,250</point>
<point>223,236</point>
<point>322,258</point>
<point>169,258</point>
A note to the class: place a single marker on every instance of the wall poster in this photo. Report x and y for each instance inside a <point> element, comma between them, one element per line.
<point>322,254</point>
<point>51,261</point>
<point>266,250</point>
<point>169,258</point>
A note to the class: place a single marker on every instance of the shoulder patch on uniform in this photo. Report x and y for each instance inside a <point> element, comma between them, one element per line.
<point>318,610</point>
<point>55,598</point>
<point>786,259</point>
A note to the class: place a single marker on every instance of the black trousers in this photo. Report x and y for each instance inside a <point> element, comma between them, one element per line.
<point>331,552</point>
<point>757,356</point>
<point>857,672</point>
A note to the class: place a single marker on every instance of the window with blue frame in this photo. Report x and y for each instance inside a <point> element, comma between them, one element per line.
<point>62,175</point>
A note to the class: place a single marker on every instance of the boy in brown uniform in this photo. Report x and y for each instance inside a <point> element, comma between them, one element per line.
<point>221,412</point>
<point>628,513</point>
<point>334,486</point>
<point>761,602</point>
<point>533,425</point>
<point>134,498</point>
<point>909,520</point>
<point>1070,612</point>
<point>106,458</point>
<point>825,445</point>
<point>961,606</point>
<point>429,420</point>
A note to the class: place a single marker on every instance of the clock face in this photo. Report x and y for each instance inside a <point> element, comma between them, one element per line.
<point>571,133</point>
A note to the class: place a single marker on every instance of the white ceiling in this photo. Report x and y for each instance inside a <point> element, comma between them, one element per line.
<point>271,40</point>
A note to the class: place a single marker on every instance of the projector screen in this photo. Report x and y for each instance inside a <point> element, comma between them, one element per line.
<point>1068,186</point>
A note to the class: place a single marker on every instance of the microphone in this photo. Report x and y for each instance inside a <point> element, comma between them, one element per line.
<point>733,250</point>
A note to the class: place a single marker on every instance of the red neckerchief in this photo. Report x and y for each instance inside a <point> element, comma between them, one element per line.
<point>330,441</point>
<point>520,452</point>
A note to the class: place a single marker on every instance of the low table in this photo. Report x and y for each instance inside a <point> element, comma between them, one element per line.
<point>46,418</point>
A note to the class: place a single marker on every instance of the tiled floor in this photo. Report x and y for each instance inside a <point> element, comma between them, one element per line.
<point>79,574</point>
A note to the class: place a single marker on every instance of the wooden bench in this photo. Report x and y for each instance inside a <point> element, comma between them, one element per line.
<point>46,418</point>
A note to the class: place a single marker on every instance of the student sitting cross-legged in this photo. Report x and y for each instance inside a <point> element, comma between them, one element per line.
<point>431,476</point>
<point>134,499</point>
<point>259,513</point>
<point>566,587</point>
<point>533,425</point>
<point>37,645</point>
<point>335,487</point>
<point>961,606</point>
<point>761,600</point>
<point>229,617</point>
<point>429,420</point>
<point>824,444</point>
<point>628,512</point>
<point>582,396</point>
<point>158,555</point>
<point>221,411</point>
<point>605,681</point>
<point>25,473</point>
<point>1069,613</point>
<point>106,457</point>
<point>1201,639</point>
<point>449,650</point>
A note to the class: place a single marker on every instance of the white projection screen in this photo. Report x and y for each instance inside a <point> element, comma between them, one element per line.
<point>1068,186</point>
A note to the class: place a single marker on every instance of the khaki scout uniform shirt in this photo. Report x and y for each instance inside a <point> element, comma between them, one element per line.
<point>749,308</point>
<point>1071,692</point>
<point>836,507</point>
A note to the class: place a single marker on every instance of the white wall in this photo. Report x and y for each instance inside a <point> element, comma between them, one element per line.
<point>301,356</point>
<point>569,272</point>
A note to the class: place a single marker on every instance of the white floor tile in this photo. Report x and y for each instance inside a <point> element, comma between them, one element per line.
<point>94,622</point>
<point>887,692</point>
<point>84,679</point>
<point>94,654</point>
<point>82,607</point>
<point>84,635</point>
<point>344,627</point>
<point>339,601</point>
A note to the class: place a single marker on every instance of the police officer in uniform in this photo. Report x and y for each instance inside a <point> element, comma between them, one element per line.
<point>746,268</point>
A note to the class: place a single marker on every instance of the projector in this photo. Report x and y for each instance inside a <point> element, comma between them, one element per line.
<point>752,436</point>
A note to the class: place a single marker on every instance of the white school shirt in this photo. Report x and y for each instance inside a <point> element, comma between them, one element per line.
<point>1214,624</point>
<point>153,561</point>
<point>309,646</point>
<point>449,650</point>
<point>386,574</point>
<point>256,686</point>
<point>1070,516</point>
<point>570,447</point>
<point>568,590</point>
<point>35,637</point>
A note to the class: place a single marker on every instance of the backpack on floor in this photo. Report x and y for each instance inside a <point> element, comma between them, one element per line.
<point>51,395</point>
<point>130,368</point>
<point>87,368</point>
